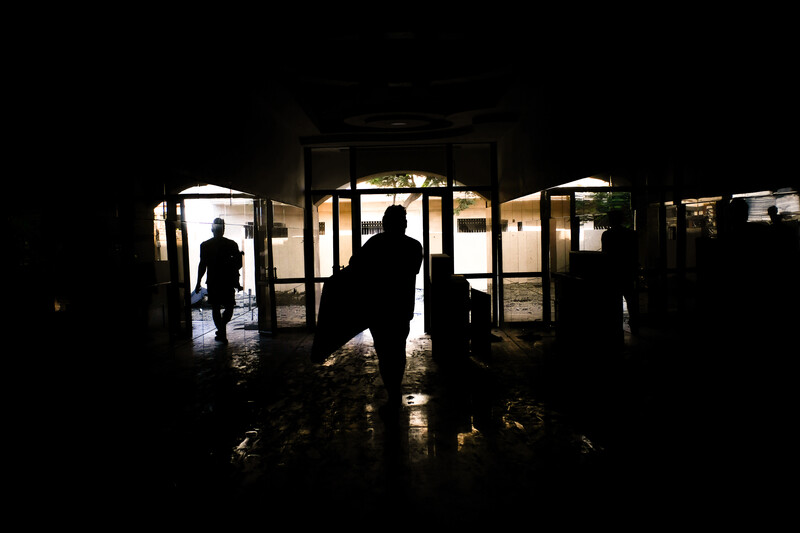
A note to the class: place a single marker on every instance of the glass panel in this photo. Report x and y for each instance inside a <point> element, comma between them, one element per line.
<point>380,160</point>
<point>434,225</point>
<point>522,299</point>
<point>592,210</point>
<point>345,232</point>
<point>786,202</point>
<point>289,263</point>
<point>672,235</point>
<point>324,245</point>
<point>395,182</point>
<point>483,285</point>
<point>472,233</point>
<point>372,208</point>
<point>701,222</point>
<point>315,232</point>
<point>287,241</point>
<point>184,315</point>
<point>521,231</point>
<point>291,301</point>
<point>559,234</point>
<point>238,216</point>
<point>160,232</point>
<point>374,205</point>
<point>261,253</point>
<point>179,247</point>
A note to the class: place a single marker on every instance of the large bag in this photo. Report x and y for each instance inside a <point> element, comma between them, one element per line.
<point>342,314</point>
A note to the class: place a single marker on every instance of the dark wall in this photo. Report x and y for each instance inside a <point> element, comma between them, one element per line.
<point>218,125</point>
<point>694,104</point>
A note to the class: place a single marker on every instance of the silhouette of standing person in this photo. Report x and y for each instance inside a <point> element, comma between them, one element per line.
<point>386,267</point>
<point>782,264</point>
<point>620,246</point>
<point>220,257</point>
<point>784,237</point>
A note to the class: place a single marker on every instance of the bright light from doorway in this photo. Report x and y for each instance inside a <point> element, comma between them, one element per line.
<point>587,182</point>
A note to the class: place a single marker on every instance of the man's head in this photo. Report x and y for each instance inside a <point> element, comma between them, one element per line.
<point>774,216</point>
<point>394,219</point>
<point>218,227</point>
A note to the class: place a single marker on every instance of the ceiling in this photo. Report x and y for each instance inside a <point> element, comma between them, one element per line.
<point>581,99</point>
<point>408,85</point>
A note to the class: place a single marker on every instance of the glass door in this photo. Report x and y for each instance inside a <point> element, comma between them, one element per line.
<point>521,237</point>
<point>432,234</point>
<point>280,265</point>
<point>177,254</point>
<point>288,265</point>
<point>265,273</point>
<point>472,241</point>
<point>591,216</point>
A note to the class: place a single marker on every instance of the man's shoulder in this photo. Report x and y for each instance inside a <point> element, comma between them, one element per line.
<point>224,243</point>
<point>219,243</point>
<point>394,240</point>
<point>412,242</point>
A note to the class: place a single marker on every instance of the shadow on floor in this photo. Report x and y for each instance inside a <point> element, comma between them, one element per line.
<point>253,430</point>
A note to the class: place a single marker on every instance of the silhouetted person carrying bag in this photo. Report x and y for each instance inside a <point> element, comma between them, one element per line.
<point>220,257</point>
<point>620,246</point>
<point>375,291</point>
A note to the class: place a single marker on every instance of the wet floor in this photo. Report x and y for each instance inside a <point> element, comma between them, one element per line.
<point>253,429</point>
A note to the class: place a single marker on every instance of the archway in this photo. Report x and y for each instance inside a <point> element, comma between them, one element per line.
<point>198,206</point>
<point>444,217</point>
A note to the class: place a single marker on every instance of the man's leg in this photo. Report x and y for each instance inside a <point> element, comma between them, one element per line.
<point>392,366</point>
<point>223,317</point>
<point>219,322</point>
<point>390,346</point>
<point>228,314</point>
<point>216,314</point>
<point>632,301</point>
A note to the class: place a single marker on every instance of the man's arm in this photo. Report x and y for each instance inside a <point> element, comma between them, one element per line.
<point>237,262</point>
<point>201,271</point>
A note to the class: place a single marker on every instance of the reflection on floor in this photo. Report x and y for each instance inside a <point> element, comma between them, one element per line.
<point>526,430</point>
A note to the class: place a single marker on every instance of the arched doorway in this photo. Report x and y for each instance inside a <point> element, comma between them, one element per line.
<point>182,223</point>
<point>445,216</point>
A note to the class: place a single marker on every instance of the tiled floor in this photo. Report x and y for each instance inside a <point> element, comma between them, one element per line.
<point>527,432</point>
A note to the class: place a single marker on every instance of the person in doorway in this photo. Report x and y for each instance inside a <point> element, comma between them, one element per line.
<point>620,246</point>
<point>220,257</point>
<point>386,267</point>
<point>784,236</point>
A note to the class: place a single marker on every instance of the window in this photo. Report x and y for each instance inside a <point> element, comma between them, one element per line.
<point>472,225</point>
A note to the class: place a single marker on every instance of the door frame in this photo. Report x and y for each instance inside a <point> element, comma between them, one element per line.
<point>446,192</point>
<point>180,306</point>
<point>175,201</point>
<point>264,265</point>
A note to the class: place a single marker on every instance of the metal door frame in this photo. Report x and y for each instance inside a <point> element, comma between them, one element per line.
<point>180,321</point>
<point>445,193</point>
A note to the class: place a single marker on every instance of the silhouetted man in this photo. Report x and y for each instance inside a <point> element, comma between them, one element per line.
<point>221,258</point>
<point>387,266</point>
<point>784,236</point>
<point>620,246</point>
